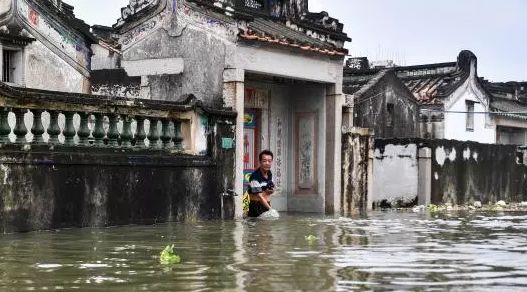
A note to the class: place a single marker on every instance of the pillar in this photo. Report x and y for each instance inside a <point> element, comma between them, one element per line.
<point>334,104</point>
<point>424,185</point>
<point>233,97</point>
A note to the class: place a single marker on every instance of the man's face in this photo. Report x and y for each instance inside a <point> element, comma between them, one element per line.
<point>266,162</point>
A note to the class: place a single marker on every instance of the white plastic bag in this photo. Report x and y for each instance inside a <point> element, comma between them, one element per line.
<point>270,215</point>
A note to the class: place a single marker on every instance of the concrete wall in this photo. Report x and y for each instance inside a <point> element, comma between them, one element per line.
<point>446,171</point>
<point>463,172</point>
<point>395,174</point>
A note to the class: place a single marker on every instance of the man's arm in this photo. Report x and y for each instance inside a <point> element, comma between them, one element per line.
<point>263,200</point>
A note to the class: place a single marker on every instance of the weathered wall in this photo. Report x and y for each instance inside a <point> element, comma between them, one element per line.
<point>395,174</point>
<point>356,171</point>
<point>467,171</point>
<point>104,58</point>
<point>43,187</point>
<point>115,83</point>
<point>449,171</point>
<point>201,41</point>
<point>388,108</point>
<point>45,70</point>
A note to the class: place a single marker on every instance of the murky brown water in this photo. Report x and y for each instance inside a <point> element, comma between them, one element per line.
<point>384,251</point>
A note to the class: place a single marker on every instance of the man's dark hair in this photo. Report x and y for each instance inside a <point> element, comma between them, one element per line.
<point>265,152</point>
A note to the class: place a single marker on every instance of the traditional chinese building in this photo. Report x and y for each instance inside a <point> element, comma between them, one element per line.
<point>454,102</point>
<point>278,65</point>
<point>44,46</point>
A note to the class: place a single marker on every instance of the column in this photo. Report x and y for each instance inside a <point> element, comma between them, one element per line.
<point>424,185</point>
<point>333,176</point>
<point>233,97</point>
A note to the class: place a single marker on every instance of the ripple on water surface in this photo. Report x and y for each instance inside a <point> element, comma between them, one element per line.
<point>392,251</point>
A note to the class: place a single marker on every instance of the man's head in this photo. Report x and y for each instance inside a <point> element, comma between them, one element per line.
<point>266,160</point>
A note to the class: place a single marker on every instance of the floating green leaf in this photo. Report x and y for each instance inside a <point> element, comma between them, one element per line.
<point>311,238</point>
<point>168,257</point>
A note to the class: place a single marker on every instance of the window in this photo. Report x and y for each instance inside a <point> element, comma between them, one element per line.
<point>11,65</point>
<point>8,66</point>
<point>470,115</point>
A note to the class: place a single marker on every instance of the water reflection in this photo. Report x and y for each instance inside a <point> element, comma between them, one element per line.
<point>394,251</point>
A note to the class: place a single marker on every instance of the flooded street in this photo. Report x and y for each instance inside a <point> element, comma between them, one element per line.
<point>382,251</point>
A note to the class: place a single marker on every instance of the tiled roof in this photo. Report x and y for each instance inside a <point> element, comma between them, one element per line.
<point>510,90</point>
<point>509,108</point>
<point>295,28</point>
<point>429,83</point>
<point>269,31</point>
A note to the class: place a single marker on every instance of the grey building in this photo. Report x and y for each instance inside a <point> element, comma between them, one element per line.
<point>278,65</point>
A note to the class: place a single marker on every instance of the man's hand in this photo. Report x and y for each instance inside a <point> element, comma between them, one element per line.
<point>270,191</point>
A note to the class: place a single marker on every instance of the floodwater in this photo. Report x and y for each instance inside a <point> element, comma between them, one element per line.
<point>399,251</point>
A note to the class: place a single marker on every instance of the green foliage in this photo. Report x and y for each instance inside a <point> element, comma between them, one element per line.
<point>433,208</point>
<point>168,257</point>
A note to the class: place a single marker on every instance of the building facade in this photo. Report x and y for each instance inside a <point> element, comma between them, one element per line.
<point>276,64</point>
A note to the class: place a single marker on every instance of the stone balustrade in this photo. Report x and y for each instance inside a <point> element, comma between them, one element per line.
<point>29,116</point>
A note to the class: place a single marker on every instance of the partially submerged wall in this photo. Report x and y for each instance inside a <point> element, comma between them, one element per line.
<point>463,172</point>
<point>357,146</point>
<point>396,166</point>
<point>446,171</point>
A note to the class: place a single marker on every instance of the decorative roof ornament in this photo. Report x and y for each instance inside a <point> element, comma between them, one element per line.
<point>135,7</point>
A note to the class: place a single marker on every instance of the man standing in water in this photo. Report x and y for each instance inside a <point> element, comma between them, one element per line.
<point>261,185</point>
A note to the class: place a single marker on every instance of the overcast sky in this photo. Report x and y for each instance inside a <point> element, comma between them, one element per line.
<point>410,31</point>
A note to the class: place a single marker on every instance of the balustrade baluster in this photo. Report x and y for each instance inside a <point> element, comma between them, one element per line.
<point>37,129</point>
<point>5,129</point>
<point>126,136</point>
<point>54,129</point>
<point>178,138</point>
<point>98,131</point>
<point>69,129</point>
<point>166,136</point>
<point>140,134</point>
<point>20,127</point>
<point>84,130</point>
<point>153,134</point>
<point>113,131</point>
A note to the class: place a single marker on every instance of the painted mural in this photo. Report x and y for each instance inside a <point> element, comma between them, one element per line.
<point>64,40</point>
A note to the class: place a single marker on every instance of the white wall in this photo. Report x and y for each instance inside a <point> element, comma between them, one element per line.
<point>455,123</point>
<point>5,6</point>
<point>45,70</point>
<point>103,58</point>
<point>395,174</point>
